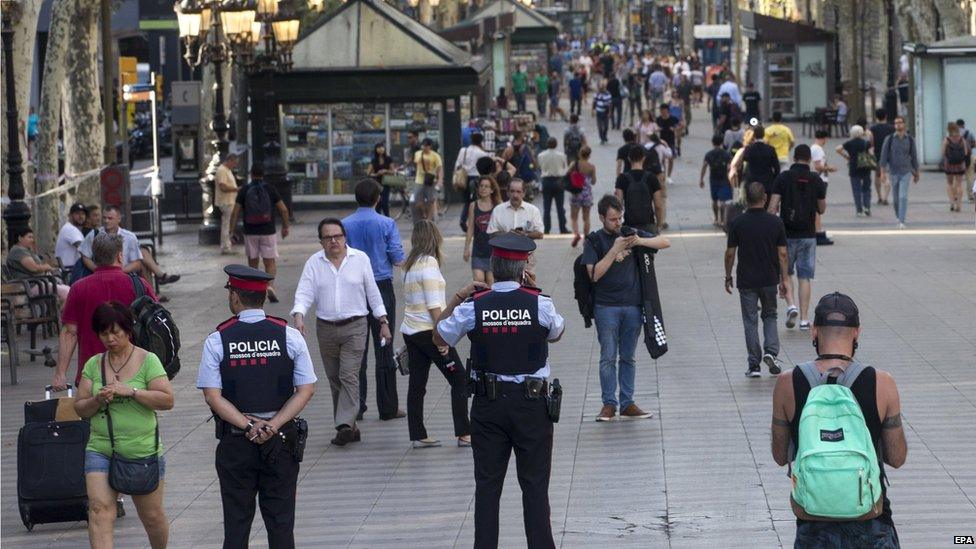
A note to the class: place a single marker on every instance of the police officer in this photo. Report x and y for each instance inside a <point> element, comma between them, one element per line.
<point>256,376</point>
<point>510,326</point>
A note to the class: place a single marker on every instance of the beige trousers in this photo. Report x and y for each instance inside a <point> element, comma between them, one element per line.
<point>342,349</point>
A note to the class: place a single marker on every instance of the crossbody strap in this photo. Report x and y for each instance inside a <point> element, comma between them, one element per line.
<point>108,415</point>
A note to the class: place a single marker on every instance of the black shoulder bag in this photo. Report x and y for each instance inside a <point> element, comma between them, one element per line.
<point>136,477</point>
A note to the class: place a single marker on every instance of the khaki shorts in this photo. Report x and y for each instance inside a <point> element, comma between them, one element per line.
<point>261,246</point>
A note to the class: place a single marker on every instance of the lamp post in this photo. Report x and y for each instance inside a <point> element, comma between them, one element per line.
<point>254,35</point>
<point>17,214</point>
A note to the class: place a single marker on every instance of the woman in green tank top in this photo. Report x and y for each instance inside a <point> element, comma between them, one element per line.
<point>134,387</point>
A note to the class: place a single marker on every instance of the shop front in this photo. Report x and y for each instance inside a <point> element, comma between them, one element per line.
<point>394,76</point>
<point>788,64</point>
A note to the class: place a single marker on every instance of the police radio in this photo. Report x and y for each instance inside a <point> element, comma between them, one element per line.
<point>554,400</point>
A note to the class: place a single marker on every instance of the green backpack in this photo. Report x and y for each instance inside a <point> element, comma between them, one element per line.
<point>836,473</point>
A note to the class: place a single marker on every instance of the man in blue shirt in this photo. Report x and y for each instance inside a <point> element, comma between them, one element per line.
<point>576,94</point>
<point>378,237</point>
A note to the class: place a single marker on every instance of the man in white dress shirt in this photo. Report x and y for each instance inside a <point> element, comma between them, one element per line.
<point>516,215</point>
<point>339,280</point>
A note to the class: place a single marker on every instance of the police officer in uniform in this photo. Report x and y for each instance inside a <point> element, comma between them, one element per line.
<point>510,326</point>
<point>256,376</point>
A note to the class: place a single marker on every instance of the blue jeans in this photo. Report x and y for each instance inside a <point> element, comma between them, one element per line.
<point>756,303</point>
<point>899,188</point>
<point>617,328</point>
<point>603,125</point>
<point>872,534</point>
<point>861,187</point>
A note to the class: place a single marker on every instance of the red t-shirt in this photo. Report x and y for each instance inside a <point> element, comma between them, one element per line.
<point>105,284</point>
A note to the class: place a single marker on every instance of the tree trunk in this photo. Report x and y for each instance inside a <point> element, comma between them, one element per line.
<point>47,209</point>
<point>917,20</point>
<point>952,17</point>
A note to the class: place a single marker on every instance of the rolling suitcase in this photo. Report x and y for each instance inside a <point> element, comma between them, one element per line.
<point>51,463</point>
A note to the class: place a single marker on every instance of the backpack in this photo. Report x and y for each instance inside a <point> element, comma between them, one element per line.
<point>637,201</point>
<point>836,472</point>
<point>955,152</point>
<point>576,179</point>
<point>583,286</point>
<point>572,142</point>
<point>257,204</point>
<point>718,165</point>
<point>154,329</point>
<point>797,212</point>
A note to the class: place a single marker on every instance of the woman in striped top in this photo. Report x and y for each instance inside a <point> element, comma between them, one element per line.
<point>423,292</point>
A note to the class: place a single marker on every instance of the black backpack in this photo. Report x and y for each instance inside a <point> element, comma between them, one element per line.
<point>956,152</point>
<point>718,164</point>
<point>154,329</point>
<point>583,286</point>
<point>638,208</point>
<point>257,204</point>
<point>798,209</point>
<point>572,142</point>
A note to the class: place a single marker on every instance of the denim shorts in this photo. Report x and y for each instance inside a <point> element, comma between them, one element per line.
<point>96,462</point>
<point>802,256</point>
<point>481,263</point>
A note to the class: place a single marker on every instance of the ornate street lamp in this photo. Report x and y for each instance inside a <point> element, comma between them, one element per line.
<point>257,36</point>
<point>17,214</point>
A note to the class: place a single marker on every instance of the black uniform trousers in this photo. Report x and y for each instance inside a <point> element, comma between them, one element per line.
<point>244,474</point>
<point>497,427</point>
<point>387,401</point>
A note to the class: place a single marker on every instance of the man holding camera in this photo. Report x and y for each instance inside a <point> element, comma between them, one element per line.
<point>609,258</point>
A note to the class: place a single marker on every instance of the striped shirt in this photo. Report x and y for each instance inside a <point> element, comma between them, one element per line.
<point>601,103</point>
<point>423,289</point>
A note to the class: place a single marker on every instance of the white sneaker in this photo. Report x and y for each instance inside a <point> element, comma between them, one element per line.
<point>901,225</point>
<point>670,181</point>
<point>804,324</point>
<point>791,314</point>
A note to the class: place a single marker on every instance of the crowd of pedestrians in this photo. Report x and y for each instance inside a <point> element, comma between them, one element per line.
<point>778,184</point>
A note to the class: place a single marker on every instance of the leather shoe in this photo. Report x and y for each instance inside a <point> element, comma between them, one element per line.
<point>397,415</point>
<point>346,435</point>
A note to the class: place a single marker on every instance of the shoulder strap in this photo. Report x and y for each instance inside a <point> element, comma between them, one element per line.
<point>108,415</point>
<point>815,377</point>
<point>137,286</point>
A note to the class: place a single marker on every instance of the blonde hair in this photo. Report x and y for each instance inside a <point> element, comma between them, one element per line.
<point>856,131</point>
<point>425,240</point>
<point>952,128</point>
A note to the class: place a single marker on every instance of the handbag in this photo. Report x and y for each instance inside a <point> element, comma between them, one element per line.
<point>136,477</point>
<point>429,178</point>
<point>574,180</point>
<point>460,178</point>
<point>866,160</point>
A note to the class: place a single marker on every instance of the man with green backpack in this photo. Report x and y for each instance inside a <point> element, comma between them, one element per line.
<point>836,422</point>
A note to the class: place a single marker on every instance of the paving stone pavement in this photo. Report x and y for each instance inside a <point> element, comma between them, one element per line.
<point>698,474</point>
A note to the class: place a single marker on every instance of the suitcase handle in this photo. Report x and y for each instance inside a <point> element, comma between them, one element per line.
<point>48,389</point>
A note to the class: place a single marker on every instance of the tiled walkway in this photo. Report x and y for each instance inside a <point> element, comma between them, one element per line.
<point>699,474</point>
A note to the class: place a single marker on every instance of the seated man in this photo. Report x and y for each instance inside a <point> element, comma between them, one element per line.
<point>134,259</point>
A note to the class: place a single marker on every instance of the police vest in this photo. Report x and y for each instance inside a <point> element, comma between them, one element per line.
<point>256,373</point>
<point>507,338</point>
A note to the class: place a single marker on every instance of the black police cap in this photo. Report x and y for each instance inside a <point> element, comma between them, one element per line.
<point>511,246</point>
<point>247,278</point>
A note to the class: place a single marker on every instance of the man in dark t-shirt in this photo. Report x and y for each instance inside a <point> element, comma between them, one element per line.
<point>761,160</point>
<point>260,240</point>
<point>623,153</point>
<point>617,311</point>
<point>879,132</point>
<point>640,216</point>
<point>798,196</point>
<point>759,239</point>
<point>751,98</point>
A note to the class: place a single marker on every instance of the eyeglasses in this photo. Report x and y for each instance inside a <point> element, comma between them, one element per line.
<point>332,237</point>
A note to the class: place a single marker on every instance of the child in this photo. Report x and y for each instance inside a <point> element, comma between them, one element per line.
<point>717,162</point>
